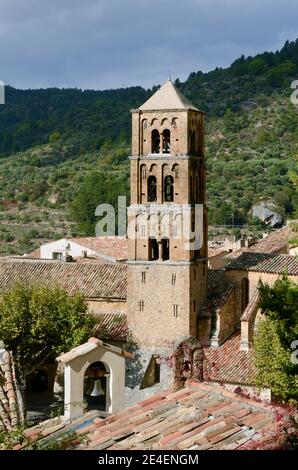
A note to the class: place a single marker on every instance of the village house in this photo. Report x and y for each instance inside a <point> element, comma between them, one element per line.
<point>101,249</point>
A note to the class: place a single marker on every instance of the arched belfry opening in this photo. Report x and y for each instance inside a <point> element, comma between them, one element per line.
<point>169,188</point>
<point>155,141</point>
<point>96,386</point>
<point>165,248</point>
<point>153,249</point>
<point>151,190</point>
<point>166,141</point>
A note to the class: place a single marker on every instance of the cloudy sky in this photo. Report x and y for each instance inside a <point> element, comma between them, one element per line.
<point>113,43</point>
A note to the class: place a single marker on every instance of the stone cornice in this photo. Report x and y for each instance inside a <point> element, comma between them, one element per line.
<point>163,156</point>
<point>165,263</point>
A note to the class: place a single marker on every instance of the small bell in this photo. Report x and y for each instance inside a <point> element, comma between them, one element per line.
<point>97,389</point>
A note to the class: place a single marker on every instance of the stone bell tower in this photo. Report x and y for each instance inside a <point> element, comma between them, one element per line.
<point>167,254</point>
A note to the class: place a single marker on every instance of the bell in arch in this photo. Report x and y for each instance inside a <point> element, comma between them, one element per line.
<point>97,389</point>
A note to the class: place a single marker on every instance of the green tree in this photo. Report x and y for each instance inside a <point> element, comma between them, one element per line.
<point>97,188</point>
<point>37,323</point>
<point>275,337</point>
<point>55,136</point>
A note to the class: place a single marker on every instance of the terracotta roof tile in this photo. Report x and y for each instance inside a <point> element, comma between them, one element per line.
<point>227,363</point>
<point>111,326</point>
<point>264,262</point>
<point>34,254</point>
<point>272,243</point>
<point>218,291</point>
<point>92,280</point>
<point>215,251</point>
<point>9,411</point>
<point>115,248</point>
<point>275,241</point>
<point>223,422</point>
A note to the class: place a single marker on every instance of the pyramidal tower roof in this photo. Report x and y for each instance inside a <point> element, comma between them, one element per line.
<point>167,97</point>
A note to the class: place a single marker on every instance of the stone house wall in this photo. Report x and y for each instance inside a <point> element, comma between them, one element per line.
<point>107,306</point>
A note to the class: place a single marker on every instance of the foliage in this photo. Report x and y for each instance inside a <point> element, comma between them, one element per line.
<point>62,442</point>
<point>275,336</point>
<point>37,323</point>
<point>97,188</point>
<point>8,439</point>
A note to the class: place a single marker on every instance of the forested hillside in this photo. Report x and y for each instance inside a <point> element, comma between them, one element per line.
<point>64,151</point>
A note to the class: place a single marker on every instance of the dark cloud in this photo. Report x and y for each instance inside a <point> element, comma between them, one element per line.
<point>111,43</point>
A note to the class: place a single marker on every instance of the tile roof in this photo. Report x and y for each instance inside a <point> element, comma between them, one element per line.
<point>33,254</point>
<point>219,289</point>
<point>9,415</point>
<point>273,243</point>
<point>92,280</point>
<point>111,326</point>
<point>111,248</point>
<point>265,262</point>
<point>201,417</point>
<point>228,364</point>
<point>215,251</point>
<point>115,248</point>
<point>95,280</point>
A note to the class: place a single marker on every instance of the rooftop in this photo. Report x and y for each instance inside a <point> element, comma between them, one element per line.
<point>9,417</point>
<point>112,247</point>
<point>93,280</point>
<point>219,289</point>
<point>90,345</point>
<point>198,417</point>
<point>111,326</point>
<point>272,243</point>
<point>265,262</point>
<point>228,364</point>
<point>167,97</point>
<point>215,251</point>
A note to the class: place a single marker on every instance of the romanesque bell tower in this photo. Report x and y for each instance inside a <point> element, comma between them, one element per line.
<point>167,258</point>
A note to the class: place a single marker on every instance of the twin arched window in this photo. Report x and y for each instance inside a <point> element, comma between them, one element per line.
<point>168,189</point>
<point>156,146</point>
<point>153,248</point>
